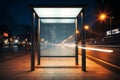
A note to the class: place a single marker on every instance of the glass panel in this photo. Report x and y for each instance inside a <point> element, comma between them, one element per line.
<point>57,39</point>
<point>58,20</point>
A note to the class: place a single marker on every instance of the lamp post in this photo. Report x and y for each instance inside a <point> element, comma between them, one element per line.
<point>111,17</point>
<point>104,16</point>
<point>86,28</point>
<point>77,32</point>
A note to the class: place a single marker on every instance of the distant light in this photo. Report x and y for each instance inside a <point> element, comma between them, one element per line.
<point>95,41</point>
<point>102,16</point>
<point>103,39</point>
<point>108,33</point>
<point>5,34</point>
<point>16,41</point>
<point>11,39</point>
<point>23,42</point>
<point>115,31</point>
<point>57,20</point>
<point>86,27</point>
<point>30,43</point>
<point>42,40</point>
<point>57,12</point>
<point>14,36</point>
<point>18,37</point>
<point>26,39</point>
<point>77,32</point>
<point>6,41</point>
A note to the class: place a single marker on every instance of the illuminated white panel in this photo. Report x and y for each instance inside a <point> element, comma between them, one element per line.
<point>57,12</point>
<point>108,33</point>
<point>115,31</point>
<point>57,20</point>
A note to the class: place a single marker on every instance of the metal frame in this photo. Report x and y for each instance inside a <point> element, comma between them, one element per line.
<point>83,40</point>
<point>39,41</point>
<point>33,43</point>
<point>76,42</point>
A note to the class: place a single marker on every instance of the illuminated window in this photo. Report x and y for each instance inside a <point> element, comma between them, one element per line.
<point>54,13</point>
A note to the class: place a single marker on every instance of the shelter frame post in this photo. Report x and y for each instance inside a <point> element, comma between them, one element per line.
<point>83,40</point>
<point>33,43</point>
<point>76,42</point>
<point>39,41</point>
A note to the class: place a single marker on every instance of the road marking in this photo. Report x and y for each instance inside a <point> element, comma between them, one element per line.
<point>117,67</point>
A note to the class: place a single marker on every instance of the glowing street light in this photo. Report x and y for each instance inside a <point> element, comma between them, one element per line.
<point>42,40</point>
<point>86,27</point>
<point>5,34</point>
<point>16,40</point>
<point>11,39</point>
<point>102,16</point>
<point>105,16</point>
<point>26,39</point>
<point>77,32</point>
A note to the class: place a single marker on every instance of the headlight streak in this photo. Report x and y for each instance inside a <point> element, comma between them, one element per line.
<point>88,48</point>
<point>96,49</point>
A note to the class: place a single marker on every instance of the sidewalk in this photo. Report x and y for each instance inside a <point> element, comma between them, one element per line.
<point>53,69</point>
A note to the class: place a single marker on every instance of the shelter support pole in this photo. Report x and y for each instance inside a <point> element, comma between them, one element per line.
<point>33,43</point>
<point>76,43</point>
<point>83,40</point>
<point>39,41</point>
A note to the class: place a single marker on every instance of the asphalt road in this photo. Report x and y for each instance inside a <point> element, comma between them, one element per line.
<point>54,69</point>
<point>112,57</point>
<point>12,53</point>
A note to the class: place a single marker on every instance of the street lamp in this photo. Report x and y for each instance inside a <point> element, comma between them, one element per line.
<point>78,35</point>
<point>86,28</point>
<point>102,16</point>
<point>42,40</point>
<point>5,34</point>
<point>111,21</point>
<point>77,32</point>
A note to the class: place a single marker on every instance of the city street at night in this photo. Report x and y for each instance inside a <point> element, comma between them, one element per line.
<point>53,68</point>
<point>8,53</point>
<point>59,40</point>
<point>111,57</point>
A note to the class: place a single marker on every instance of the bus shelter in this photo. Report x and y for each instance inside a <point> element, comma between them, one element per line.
<point>58,14</point>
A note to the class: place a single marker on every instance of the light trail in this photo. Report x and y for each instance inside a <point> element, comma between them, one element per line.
<point>88,48</point>
<point>96,49</point>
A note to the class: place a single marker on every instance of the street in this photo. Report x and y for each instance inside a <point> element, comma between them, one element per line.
<point>54,68</point>
<point>12,53</point>
<point>111,57</point>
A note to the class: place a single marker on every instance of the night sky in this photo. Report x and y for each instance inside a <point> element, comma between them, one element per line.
<point>113,7</point>
<point>18,12</point>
